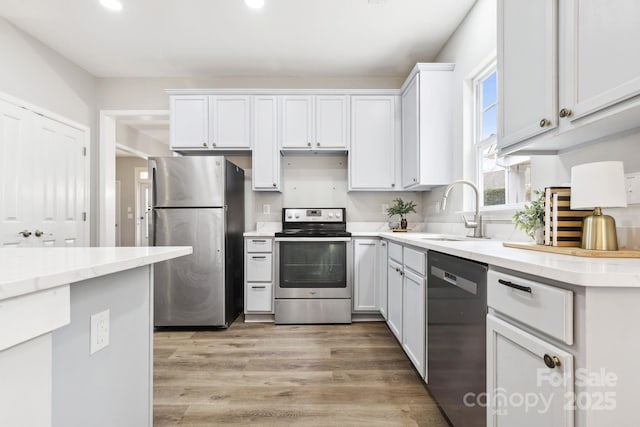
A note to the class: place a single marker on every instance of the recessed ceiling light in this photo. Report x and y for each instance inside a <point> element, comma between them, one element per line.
<point>254,4</point>
<point>115,5</point>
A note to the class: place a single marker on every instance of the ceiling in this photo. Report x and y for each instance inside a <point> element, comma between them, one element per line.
<point>224,38</point>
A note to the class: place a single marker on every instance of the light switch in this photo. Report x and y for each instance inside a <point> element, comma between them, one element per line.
<point>633,187</point>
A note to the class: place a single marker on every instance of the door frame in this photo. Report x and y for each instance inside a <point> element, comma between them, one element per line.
<point>107,170</point>
<point>139,211</point>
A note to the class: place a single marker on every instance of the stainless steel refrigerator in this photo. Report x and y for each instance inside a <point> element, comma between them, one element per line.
<point>198,201</point>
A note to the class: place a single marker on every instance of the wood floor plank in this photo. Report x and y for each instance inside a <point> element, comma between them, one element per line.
<point>268,375</point>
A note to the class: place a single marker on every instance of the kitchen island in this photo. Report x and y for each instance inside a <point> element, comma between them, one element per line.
<point>57,368</point>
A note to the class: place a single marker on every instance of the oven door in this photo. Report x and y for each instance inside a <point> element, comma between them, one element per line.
<point>313,267</point>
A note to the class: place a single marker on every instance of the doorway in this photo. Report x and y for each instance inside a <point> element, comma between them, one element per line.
<point>143,206</point>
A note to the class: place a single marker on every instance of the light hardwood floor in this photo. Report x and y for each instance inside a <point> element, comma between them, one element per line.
<point>267,375</point>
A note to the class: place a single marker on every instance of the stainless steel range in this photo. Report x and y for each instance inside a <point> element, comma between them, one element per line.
<point>313,273</point>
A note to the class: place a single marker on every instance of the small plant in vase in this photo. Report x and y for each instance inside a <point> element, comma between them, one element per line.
<point>531,219</point>
<point>402,208</point>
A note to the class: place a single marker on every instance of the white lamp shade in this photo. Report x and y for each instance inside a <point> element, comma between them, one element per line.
<point>600,184</point>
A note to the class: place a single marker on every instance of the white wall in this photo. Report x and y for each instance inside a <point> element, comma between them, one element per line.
<point>37,74</point>
<point>132,138</point>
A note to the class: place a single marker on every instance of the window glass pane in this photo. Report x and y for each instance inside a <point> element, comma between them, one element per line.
<point>489,91</point>
<point>493,177</point>
<point>144,174</point>
<point>489,123</point>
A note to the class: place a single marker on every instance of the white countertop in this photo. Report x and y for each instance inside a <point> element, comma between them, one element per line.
<point>27,270</point>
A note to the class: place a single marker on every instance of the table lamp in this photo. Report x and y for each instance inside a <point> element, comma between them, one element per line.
<point>596,186</point>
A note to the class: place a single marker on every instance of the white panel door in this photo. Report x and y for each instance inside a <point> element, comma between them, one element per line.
<point>189,124</point>
<point>16,175</point>
<point>600,64</point>
<point>297,121</point>
<point>413,320</point>
<point>230,125</point>
<point>372,157</point>
<point>59,184</point>
<point>365,272</point>
<point>265,158</point>
<point>527,70</point>
<point>332,115</point>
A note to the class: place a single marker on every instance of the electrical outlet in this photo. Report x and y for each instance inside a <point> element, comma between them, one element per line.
<point>99,331</point>
<point>385,206</point>
<point>266,209</point>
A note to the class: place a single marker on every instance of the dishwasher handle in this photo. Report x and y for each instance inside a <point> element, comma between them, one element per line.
<point>459,282</point>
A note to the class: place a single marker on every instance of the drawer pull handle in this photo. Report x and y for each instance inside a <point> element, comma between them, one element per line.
<point>259,241</point>
<point>259,257</point>
<point>551,361</point>
<point>258,287</point>
<point>514,286</point>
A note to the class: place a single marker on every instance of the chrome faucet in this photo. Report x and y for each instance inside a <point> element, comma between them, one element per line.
<point>476,224</point>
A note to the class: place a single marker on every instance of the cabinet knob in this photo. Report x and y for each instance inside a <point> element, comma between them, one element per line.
<point>393,184</point>
<point>544,122</point>
<point>317,144</point>
<point>204,144</point>
<point>415,179</point>
<point>551,361</point>
<point>25,233</point>
<point>38,233</point>
<point>308,144</point>
<point>274,184</point>
<point>565,112</point>
<point>213,144</point>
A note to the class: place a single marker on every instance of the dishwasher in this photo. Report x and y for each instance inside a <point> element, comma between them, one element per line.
<point>456,337</point>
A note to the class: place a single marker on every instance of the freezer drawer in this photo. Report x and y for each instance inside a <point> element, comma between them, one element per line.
<point>190,290</point>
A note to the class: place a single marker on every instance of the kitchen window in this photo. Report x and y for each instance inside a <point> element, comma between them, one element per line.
<point>502,180</point>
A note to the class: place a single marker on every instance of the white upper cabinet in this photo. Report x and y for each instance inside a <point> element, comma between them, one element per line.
<point>427,126</point>
<point>230,122</point>
<point>265,160</point>
<point>590,92</point>
<point>374,150</point>
<point>210,122</point>
<point>527,69</point>
<point>189,124</point>
<point>315,122</point>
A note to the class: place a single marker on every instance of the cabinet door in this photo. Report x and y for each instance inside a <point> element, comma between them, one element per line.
<point>527,76</point>
<point>297,121</point>
<point>332,117</point>
<point>599,61</point>
<point>372,159</point>
<point>413,320</point>
<point>266,155</point>
<point>230,122</point>
<point>410,133</point>
<point>17,170</point>
<point>382,278</point>
<point>365,272</point>
<point>259,297</point>
<point>394,299</point>
<point>516,370</point>
<point>189,124</point>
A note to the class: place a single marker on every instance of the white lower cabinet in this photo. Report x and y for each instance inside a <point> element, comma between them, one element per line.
<point>394,298</point>
<point>529,380</point>
<point>382,277</point>
<point>365,275</point>
<point>258,275</point>
<point>413,319</point>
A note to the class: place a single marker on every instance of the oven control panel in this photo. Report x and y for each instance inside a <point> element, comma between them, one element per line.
<point>313,215</point>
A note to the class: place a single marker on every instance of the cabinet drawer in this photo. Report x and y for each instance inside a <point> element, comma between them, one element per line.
<point>259,297</point>
<point>395,252</point>
<point>259,267</point>
<point>259,245</point>
<point>543,307</point>
<point>415,260</point>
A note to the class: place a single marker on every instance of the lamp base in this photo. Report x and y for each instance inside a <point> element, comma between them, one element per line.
<point>599,232</point>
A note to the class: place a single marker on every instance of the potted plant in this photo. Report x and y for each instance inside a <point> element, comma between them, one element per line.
<point>400,207</point>
<point>531,219</point>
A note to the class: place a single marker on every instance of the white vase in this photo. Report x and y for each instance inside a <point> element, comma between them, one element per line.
<point>538,235</point>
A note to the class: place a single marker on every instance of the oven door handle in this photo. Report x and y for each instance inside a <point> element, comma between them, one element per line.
<point>313,239</point>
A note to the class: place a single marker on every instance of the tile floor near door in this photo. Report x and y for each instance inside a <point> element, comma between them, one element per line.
<point>264,375</point>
